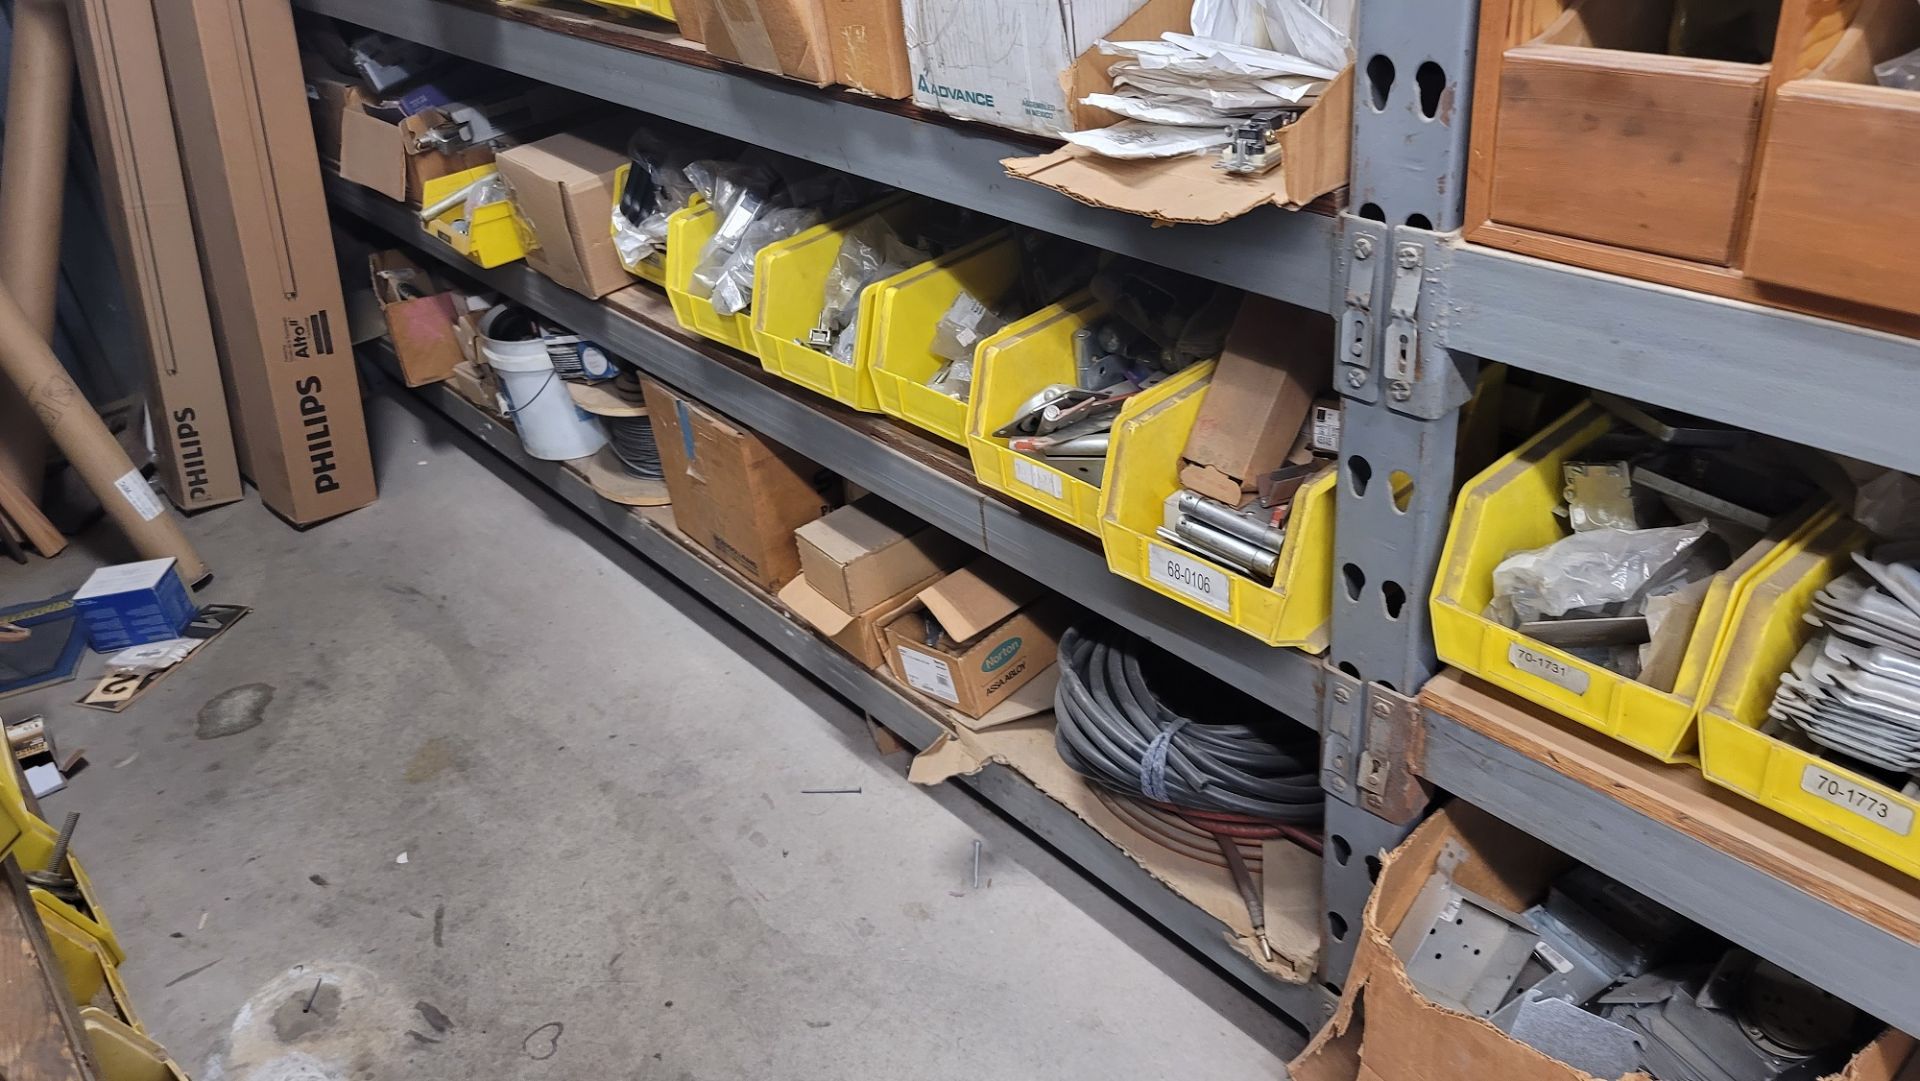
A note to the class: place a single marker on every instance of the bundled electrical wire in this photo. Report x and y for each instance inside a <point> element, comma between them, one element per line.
<point>1118,730</point>
<point>632,441</point>
<point>1210,792</point>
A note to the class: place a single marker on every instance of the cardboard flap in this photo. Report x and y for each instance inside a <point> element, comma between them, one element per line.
<point>819,613</point>
<point>373,153</point>
<point>977,596</point>
<point>1189,189</point>
<point>951,755</point>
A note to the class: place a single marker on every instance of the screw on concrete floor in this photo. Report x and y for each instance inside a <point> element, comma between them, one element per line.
<point>976,863</point>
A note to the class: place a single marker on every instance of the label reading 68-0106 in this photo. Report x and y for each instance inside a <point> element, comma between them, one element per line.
<point>1845,794</point>
<point>1190,577</point>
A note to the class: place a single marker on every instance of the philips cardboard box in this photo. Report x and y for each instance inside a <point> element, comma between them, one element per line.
<point>144,182</point>
<point>997,630</point>
<point>266,247</point>
<point>133,603</point>
<point>563,188</point>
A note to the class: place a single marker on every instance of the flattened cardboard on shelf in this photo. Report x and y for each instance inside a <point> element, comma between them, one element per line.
<point>130,113</point>
<point>1290,881</point>
<point>266,247</point>
<point>1387,1030</point>
<point>1314,152</point>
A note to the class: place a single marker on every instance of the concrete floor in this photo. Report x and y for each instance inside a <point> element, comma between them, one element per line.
<point>518,813</point>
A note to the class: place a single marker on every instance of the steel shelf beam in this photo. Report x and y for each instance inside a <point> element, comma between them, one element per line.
<point>1823,943</point>
<point>934,485</point>
<point>1815,381</point>
<point>1282,254</point>
<point>906,717</point>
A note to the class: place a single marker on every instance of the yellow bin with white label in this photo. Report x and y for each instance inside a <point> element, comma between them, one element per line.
<point>1509,508</point>
<point>906,312</point>
<point>688,231</point>
<point>1013,365</point>
<point>1846,805</point>
<point>1145,469</point>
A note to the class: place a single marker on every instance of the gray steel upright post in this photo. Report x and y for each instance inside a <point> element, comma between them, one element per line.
<point>1402,393</point>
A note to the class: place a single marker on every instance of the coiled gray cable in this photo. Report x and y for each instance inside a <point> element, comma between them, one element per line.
<point>632,441</point>
<point>1109,720</point>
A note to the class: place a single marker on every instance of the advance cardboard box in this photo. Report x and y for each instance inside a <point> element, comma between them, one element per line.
<point>563,188</point>
<point>735,494</point>
<point>267,249</point>
<point>130,114</point>
<point>1000,630</point>
<point>1261,392</point>
<point>785,37</point>
<point>1386,1030</point>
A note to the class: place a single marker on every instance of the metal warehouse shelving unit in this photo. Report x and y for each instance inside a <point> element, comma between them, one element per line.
<point>1418,311</point>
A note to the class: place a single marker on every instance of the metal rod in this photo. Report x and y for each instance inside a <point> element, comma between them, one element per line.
<point>1255,560</point>
<point>976,863</point>
<point>829,791</point>
<point>57,863</point>
<point>1227,520</point>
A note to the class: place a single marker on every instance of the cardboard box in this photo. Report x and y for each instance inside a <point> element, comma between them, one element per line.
<point>1012,64</point>
<point>1272,368</point>
<point>859,634</point>
<point>130,604</point>
<point>141,175</point>
<point>267,249</point>
<point>385,155</point>
<point>1001,630</point>
<point>563,189</point>
<point>735,494</point>
<point>785,37</point>
<point>868,40</point>
<point>329,93</point>
<point>866,552</point>
<point>1386,1030</point>
<point>420,318</point>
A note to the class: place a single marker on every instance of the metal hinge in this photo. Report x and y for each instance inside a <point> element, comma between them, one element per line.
<point>1372,743</point>
<point>1403,327</point>
<point>1356,348</point>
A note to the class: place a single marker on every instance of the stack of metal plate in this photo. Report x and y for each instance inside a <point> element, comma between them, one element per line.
<point>1855,689</point>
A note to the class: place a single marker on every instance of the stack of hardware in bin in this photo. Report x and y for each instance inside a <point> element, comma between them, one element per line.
<point>1188,761</point>
<point>878,247</point>
<point>1047,269</point>
<point>652,185</point>
<point>1610,982</point>
<point>760,199</point>
<point>1654,509</point>
<point>1157,323</point>
<point>1854,687</point>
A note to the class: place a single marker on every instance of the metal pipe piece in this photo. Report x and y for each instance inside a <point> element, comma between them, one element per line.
<point>1258,562</point>
<point>1227,520</point>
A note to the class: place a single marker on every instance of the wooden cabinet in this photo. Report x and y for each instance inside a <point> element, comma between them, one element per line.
<point>1784,178</point>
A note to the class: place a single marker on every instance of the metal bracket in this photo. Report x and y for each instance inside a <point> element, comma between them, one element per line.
<point>1372,741</point>
<point>1403,328</point>
<point>1363,257</point>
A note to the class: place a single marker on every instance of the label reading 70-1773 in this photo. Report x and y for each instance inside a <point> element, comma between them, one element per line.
<point>1843,793</point>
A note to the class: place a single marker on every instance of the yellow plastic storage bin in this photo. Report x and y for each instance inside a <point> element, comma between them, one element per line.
<point>790,281</point>
<point>688,231</point>
<point>654,268</point>
<point>85,964</point>
<point>1509,508</point>
<point>1009,368</point>
<point>905,313</point>
<point>33,850</point>
<point>659,9</point>
<point>1768,629</point>
<point>490,234</point>
<point>1144,469</point>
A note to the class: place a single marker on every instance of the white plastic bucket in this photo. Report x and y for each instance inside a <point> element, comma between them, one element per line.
<point>551,426</point>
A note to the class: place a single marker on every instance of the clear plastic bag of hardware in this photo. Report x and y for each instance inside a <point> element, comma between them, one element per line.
<point>732,288</point>
<point>870,251</point>
<point>1585,571</point>
<point>954,379</point>
<point>962,326</point>
<point>1901,72</point>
